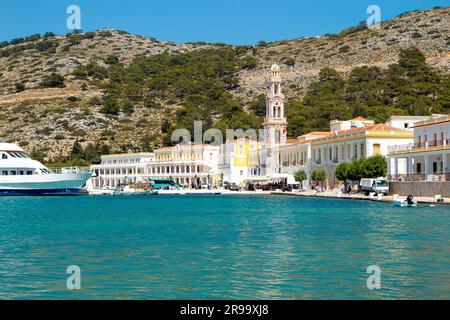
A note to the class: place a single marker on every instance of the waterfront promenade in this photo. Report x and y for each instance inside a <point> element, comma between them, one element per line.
<point>334,194</point>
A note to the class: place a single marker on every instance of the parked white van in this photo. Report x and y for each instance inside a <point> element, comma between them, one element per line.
<point>378,186</point>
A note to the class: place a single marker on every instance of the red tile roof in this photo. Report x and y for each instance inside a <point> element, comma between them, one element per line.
<point>316,133</point>
<point>376,127</point>
<point>359,119</point>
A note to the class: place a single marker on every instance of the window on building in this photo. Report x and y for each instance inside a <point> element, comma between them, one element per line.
<point>277,136</point>
<point>376,149</point>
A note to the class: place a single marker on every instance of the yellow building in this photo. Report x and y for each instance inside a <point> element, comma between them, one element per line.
<point>236,160</point>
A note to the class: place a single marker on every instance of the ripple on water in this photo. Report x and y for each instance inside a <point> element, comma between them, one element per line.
<point>221,247</point>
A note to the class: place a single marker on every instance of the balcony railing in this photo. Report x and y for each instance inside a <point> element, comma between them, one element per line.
<point>417,177</point>
<point>434,144</point>
<point>69,170</point>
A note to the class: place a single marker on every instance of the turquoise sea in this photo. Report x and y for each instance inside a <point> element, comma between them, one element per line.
<point>221,247</point>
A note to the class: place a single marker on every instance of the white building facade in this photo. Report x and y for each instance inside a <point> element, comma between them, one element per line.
<point>188,165</point>
<point>354,144</point>
<point>121,169</point>
<point>427,158</point>
<point>406,122</point>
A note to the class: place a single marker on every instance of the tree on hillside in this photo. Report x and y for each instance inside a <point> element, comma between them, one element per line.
<point>258,105</point>
<point>20,86</point>
<point>408,87</point>
<point>53,80</point>
<point>112,59</point>
<point>249,63</point>
<point>77,151</point>
<point>110,106</point>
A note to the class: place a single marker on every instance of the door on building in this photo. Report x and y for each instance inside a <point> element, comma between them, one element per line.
<point>435,167</point>
<point>419,168</point>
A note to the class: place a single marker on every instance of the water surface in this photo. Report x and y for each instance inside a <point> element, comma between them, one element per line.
<point>221,247</point>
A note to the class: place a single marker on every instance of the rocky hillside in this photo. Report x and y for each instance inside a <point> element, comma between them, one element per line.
<point>427,30</point>
<point>50,118</point>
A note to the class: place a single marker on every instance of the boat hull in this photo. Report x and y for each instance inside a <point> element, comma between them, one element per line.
<point>44,185</point>
<point>40,192</point>
<point>404,204</point>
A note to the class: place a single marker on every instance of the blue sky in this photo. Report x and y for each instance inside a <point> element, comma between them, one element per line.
<point>228,21</point>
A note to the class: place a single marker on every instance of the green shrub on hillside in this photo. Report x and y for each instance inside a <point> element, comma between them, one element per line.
<point>409,87</point>
<point>20,87</point>
<point>53,80</point>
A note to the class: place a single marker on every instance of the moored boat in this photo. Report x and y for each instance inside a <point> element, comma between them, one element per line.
<point>105,191</point>
<point>405,202</point>
<point>22,176</point>
<point>130,191</point>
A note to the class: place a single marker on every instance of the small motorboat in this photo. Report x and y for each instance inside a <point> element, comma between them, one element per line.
<point>407,202</point>
<point>129,191</point>
<point>171,192</point>
<point>104,191</point>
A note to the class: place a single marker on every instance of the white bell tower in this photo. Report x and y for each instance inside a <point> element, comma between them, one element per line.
<point>275,123</point>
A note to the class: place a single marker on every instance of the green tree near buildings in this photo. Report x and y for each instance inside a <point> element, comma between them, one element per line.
<point>319,176</point>
<point>300,176</point>
<point>357,170</point>
<point>373,167</point>
<point>342,173</point>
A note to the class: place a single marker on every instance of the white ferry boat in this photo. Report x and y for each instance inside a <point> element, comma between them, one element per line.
<point>21,175</point>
